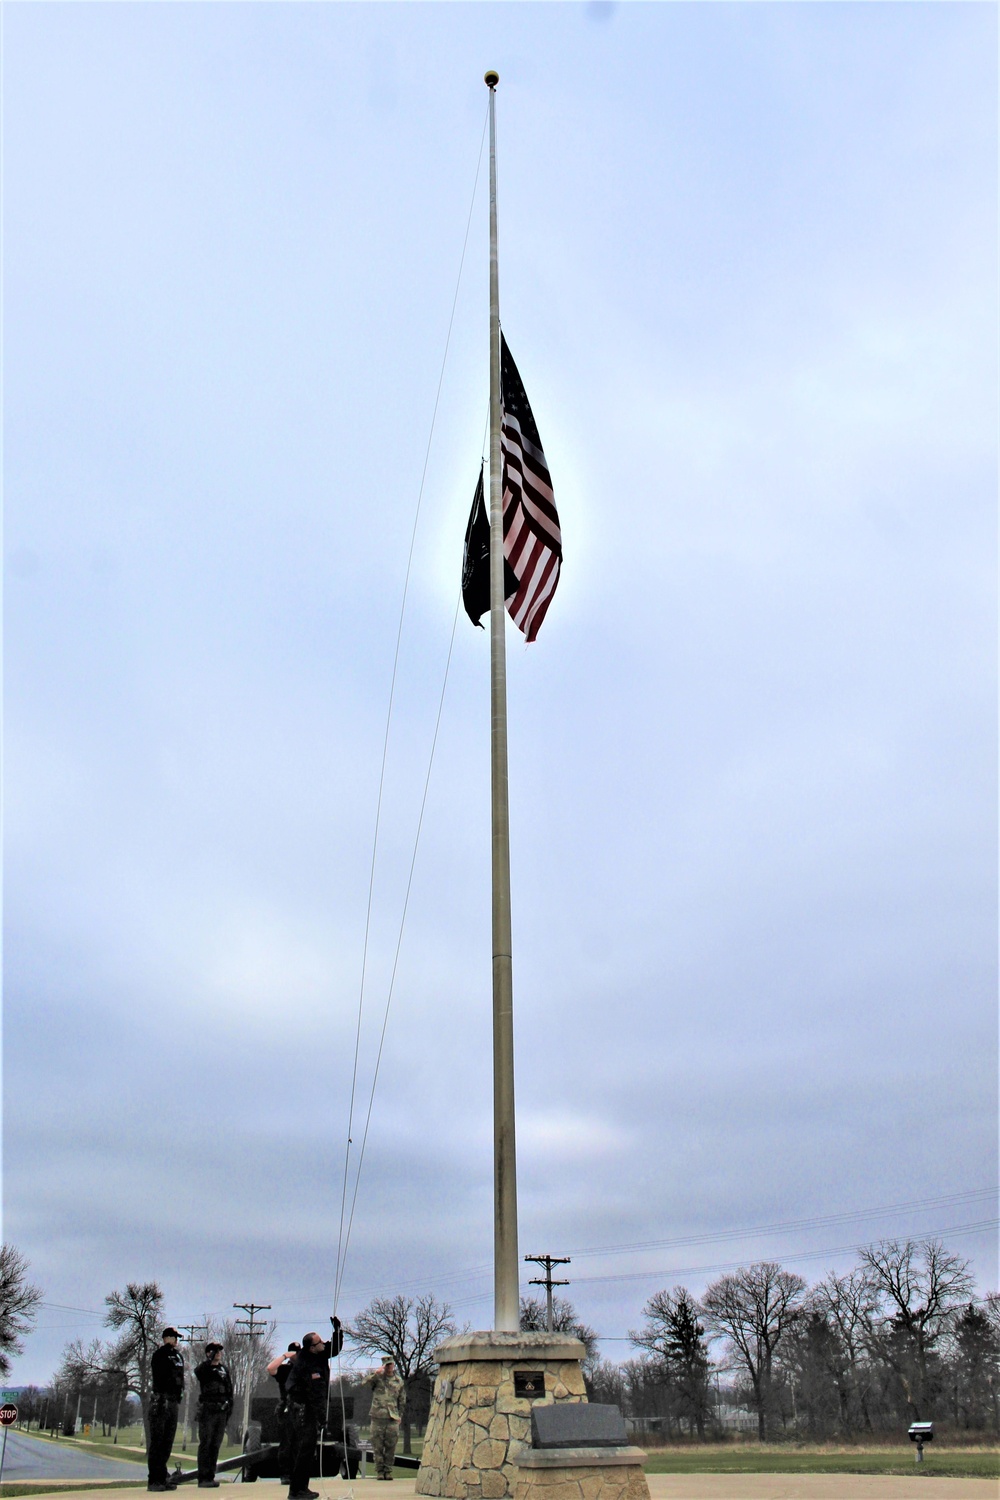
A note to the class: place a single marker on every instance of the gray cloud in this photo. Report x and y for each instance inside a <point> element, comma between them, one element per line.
<point>748,273</point>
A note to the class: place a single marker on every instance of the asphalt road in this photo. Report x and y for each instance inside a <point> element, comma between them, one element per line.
<point>35,1458</point>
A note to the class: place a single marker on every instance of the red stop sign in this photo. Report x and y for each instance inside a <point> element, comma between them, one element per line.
<point>8,1415</point>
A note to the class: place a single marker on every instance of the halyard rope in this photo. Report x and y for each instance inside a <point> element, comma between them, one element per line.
<point>343,1238</point>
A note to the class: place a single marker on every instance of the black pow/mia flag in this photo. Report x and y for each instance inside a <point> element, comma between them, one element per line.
<point>476,561</point>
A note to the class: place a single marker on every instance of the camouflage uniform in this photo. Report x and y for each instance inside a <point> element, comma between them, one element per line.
<point>388,1400</point>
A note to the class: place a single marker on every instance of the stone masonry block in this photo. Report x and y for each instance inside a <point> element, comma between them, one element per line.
<point>596,1487</point>
<point>461,1448</point>
<point>489,1454</point>
<point>494,1485</point>
<point>508,1404</point>
<point>500,1428</point>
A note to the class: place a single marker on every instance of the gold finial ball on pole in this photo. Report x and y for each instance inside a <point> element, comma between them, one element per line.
<point>491,79</point>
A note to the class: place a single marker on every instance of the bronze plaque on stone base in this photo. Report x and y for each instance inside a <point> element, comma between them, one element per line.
<point>529,1385</point>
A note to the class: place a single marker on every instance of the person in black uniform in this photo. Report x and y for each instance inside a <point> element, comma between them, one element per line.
<point>306,1389</point>
<point>167,1370</point>
<point>281,1368</point>
<point>215,1402</point>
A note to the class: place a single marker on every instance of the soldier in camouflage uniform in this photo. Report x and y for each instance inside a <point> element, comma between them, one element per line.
<point>388,1401</point>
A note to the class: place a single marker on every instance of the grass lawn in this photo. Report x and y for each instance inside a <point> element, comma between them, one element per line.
<point>775,1458</point>
<point>48,1487</point>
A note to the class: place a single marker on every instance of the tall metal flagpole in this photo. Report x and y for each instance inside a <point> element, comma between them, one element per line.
<point>507,1310</point>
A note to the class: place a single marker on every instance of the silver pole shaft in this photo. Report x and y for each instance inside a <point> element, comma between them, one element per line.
<point>505,1263</point>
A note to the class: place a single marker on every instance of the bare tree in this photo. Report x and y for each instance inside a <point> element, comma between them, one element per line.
<point>79,1363</point>
<point>975,1369</point>
<point>676,1340</point>
<point>534,1319</point>
<point>18,1303</point>
<point>136,1314</point>
<point>247,1360</point>
<point>607,1383</point>
<point>991,1307</point>
<point>82,1368</point>
<point>407,1329</point>
<point>848,1303</point>
<point>916,1286</point>
<point>752,1309</point>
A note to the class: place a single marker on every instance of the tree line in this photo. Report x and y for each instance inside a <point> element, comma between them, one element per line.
<point>898,1338</point>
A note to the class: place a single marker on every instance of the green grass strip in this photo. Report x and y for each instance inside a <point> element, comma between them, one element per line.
<point>50,1487</point>
<point>956,1463</point>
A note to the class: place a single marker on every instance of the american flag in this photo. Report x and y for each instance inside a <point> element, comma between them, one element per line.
<point>531,540</point>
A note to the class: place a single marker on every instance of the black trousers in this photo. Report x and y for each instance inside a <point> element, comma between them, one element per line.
<point>162,1426</point>
<point>284,1443</point>
<point>211,1431</point>
<point>303,1423</point>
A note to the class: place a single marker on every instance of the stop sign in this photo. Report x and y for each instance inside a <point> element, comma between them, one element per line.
<point>8,1415</point>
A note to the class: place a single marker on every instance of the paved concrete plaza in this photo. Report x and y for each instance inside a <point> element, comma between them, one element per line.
<point>665,1487</point>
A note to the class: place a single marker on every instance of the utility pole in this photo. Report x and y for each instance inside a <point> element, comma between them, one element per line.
<point>253,1329</point>
<point>189,1330</point>
<point>548,1261</point>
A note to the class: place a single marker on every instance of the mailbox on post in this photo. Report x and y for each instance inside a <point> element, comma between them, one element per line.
<point>921,1433</point>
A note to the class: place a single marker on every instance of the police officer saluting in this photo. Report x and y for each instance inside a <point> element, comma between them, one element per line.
<point>281,1368</point>
<point>306,1389</point>
<point>215,1403</point>
<point>167,1370</point>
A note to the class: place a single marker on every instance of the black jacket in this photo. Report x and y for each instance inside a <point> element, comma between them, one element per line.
<point>167,1370</point>
<point>216,1387</point>
<point>308,1378</point>
<point>281,1375</point>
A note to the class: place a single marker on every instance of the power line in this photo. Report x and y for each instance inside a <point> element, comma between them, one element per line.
<point>819,1221</point>
<point>662,1275</point>
<point>800,1255</point>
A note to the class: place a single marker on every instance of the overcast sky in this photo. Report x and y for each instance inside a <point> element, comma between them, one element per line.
<point>748,271</point>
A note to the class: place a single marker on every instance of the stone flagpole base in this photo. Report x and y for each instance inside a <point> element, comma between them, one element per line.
<point>581,1474</point>
<point>480,1417</point>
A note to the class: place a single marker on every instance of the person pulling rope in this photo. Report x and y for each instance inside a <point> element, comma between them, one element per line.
<point>306,1388</point>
